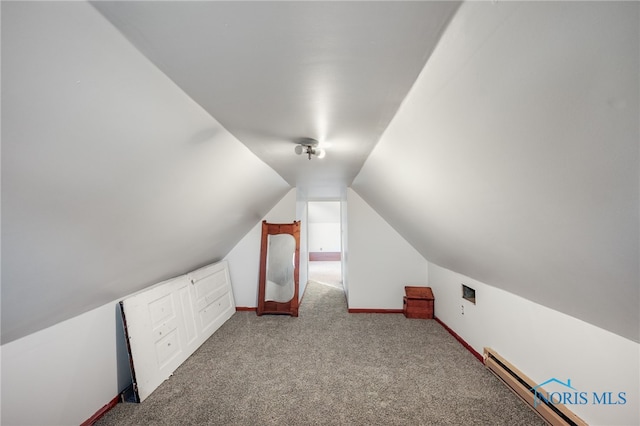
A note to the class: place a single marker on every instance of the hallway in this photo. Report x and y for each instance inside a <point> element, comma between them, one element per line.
<point>326,272</point>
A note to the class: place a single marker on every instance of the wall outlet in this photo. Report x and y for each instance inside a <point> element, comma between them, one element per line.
<point>462,309</point>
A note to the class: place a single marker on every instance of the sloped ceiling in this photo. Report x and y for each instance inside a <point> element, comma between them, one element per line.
<point>143,145</point>
<point>273,72</point>
<point>514,159</point>
<point>121,159</point>
<point>112,178</point>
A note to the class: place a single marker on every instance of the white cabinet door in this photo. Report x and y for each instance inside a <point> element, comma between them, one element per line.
<point>166,323</point>
<point>213,299</point>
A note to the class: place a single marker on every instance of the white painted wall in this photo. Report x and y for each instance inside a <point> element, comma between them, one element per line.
<point>64,374</point>
<point>380,262</point>
<point>514,159</point>
<point>344,222</point>
<point>302,214</point>
<point>244,258</point>
<point>543,343</point>
<point>113,179</point>
<point>324,237</point>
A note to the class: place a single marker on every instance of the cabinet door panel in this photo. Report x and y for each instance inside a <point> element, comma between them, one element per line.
<point>166,323</point>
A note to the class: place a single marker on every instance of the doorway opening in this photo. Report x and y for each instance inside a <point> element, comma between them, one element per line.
<point>325,243</point>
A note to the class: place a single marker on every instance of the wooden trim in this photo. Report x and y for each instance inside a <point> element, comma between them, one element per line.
<point>101,412</point>
<point>315,256</point>
<point>269,306</point>
<point>521,385</point>
<point>374,311</point>
<point>245,308</point>
<point>254,309</point>
<point>461,340</point>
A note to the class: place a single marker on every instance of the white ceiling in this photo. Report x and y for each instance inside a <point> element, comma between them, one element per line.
<point>124,163</point>
<point>113,178</point>
<point>273,72</point>
<point>513,159</point>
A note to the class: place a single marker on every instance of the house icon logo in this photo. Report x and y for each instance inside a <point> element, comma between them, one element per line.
<point>539,396</point>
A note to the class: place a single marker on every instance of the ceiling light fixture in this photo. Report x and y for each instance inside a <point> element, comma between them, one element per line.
<point>310,147</point>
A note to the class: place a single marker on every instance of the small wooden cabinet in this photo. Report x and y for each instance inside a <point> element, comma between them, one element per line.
<point>418,302</point>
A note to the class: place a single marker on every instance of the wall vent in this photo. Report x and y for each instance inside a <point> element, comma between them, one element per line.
<point>521,385</point>
<point>468,294</point>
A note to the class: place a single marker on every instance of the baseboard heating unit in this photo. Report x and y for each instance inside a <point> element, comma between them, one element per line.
<point>532,393</point>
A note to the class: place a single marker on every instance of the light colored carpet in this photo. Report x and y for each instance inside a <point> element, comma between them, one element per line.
<point>326,272</point>
<point>328,367</point>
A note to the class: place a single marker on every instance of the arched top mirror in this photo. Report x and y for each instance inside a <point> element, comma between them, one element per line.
<point>279,264</point>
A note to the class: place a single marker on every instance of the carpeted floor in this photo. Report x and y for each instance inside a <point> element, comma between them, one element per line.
<point>326,272</point>
<point>328,367</point>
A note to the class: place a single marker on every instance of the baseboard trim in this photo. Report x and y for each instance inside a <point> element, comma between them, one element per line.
<point>101,412</point>
<point>461,340</point>
<point>315,256</point>
<point>374,311</point>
